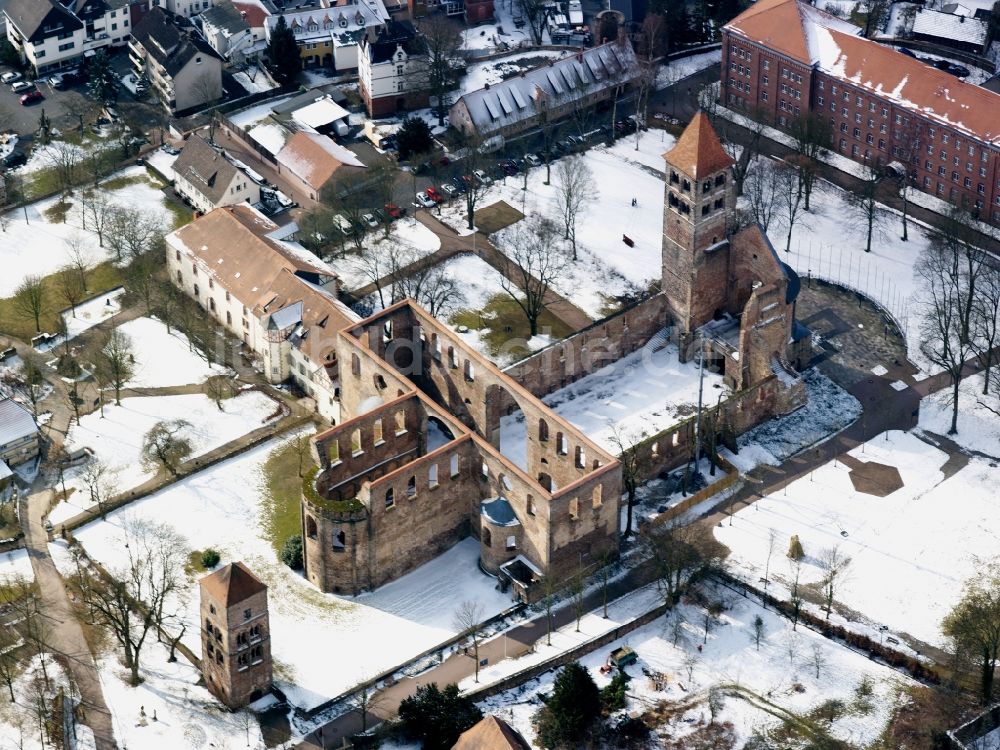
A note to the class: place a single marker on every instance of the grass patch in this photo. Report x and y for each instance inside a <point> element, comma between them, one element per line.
<point>282,487</point>
<point>497,216</point>
<point>181,214</point>
<point>102,278</point>
<point>504,327</point>
<point>193,565</point>
<point>118,183</point>
<point>56,213</point>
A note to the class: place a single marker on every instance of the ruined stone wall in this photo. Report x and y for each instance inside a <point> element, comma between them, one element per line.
<point>589,350</point>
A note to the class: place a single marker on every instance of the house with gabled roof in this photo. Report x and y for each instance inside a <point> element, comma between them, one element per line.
<point>785,59</point>
<point>206,179</point>
<point>331,36</point>
<point>310,161</point>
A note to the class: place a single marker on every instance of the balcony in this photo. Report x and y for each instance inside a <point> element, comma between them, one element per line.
<point>97,41</point>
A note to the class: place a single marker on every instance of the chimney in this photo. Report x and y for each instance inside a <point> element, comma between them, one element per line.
<point>486,86</point>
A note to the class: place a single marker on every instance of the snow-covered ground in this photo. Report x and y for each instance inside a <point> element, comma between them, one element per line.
<point>88,314</point>
<point>498,35</point>
<point>606,266</point>
<point>408,237</point>
<point>162,162</point>
<point>781,673</point>
<point>15,564</point>
<point>40,246</point>
<point>19,727</point>
<point>369,633</point>
<point>911,550</point>
<point>978,427</point>
<point>247,117</point>
<point>253,80</point>
<point>635,397</point>
<point>116,438</point>
<point>164,359</point>
<point>186,715</point>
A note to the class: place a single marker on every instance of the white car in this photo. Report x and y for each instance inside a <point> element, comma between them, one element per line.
<point>10,77</point>
<point>370,220</point>
<point>533,160</point>
<point>22,86</point>
<point>484,179</point>
<point>343,224</point>
<point>424,200</point>
<point>450,190</point>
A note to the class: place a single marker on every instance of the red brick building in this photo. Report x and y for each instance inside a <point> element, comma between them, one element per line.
<point>782,59</point>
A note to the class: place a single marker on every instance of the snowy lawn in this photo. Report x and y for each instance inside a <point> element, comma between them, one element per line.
<point>42,245</point>
<point>373,632</point>
<point>15,564</point>
<point>186,713</point>
<point>408,237</point>
<point>116,439</point>
<point>19,727</point>
<point>978,427</point>
<point>163,163</point>
<point>676,70</point>
<point>759,685</point>
<point>911,550</point>
<point>164,359</point>
<point>88,314</point>
<point>606,267</point>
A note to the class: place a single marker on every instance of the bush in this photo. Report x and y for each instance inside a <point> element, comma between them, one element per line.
<point>613,695</point>
<point>291,552</point>
<point>437,717</point>
<point>210,558</point>
<point>795,550</point>
<point>414,137</point>
<point>567,716</point>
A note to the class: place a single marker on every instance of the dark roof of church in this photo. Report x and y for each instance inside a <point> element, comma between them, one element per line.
<point>232,583</point>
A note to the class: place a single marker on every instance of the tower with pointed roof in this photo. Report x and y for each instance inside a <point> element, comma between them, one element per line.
<point>235,635</point>
<point>699,200</point>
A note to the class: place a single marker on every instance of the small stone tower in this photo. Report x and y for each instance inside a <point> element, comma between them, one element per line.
<point>700,198</point>
<point>235,635</point>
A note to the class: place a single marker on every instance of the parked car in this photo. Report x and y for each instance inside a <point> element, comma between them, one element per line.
<point>425,200</point>
<point>56,80</point>
<point>433,194</point>
<point>533,160</point>
<point>380,217</point>
<point>509,166</point>
<point>10,76</point>
<point>370,220</point>
<point>481,177</point>
<point>21,86</point>
<point>449,190</point>
<point>460,186</point>
<point>343,224</point>
<point>167,148</point>
<point>392,210</point>
<point>31,97</point>
<point>15,158</point>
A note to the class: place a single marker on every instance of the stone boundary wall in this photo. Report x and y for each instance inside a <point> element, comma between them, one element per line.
<point>587,351</point>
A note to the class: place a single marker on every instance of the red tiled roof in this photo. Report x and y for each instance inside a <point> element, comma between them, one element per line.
<point>815,38</point>
<point>698,152</point>
<point>232,583</point>
<point>255,13</point>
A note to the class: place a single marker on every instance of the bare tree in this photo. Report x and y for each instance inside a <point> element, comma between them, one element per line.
<point>33,378</point>
<point>468,621</point>
<point>763,190</point>
<point>365,700</point>
<point>99,211</point>
<point>219,388</point>
<point>439,71</point>
<point>23,598</point>
<point>973,626</point>
<point>951,268</point>
<point>986,320</point>
<point>78,258</point>
<point>429,286</point>
<point>690,662</point>
<point>535,12</point>
<point>115,361</point>
<point>101,481</point>
<point>909,144</point>
<point>576,189</point>
<point>716,702</point>
<point>794,591</point>
<point>531,264</point>
<point>64,158</point>
<point>772,545</point>
<point>681,555</point>
<point>817,657</point>
<point>633,468</point>
<point>166,446</point>
<point>790,200</point>
<point>141,277</point>
<point>758,630</point>
<point>29,299</point>
<point>131,599</point>
<point>834,565</point>
<point>70,287</point>
<point>577,590</point>
<point>9,661</point>
<point>812,136</point>
<point>131,232</point>
<point>863,200</point>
